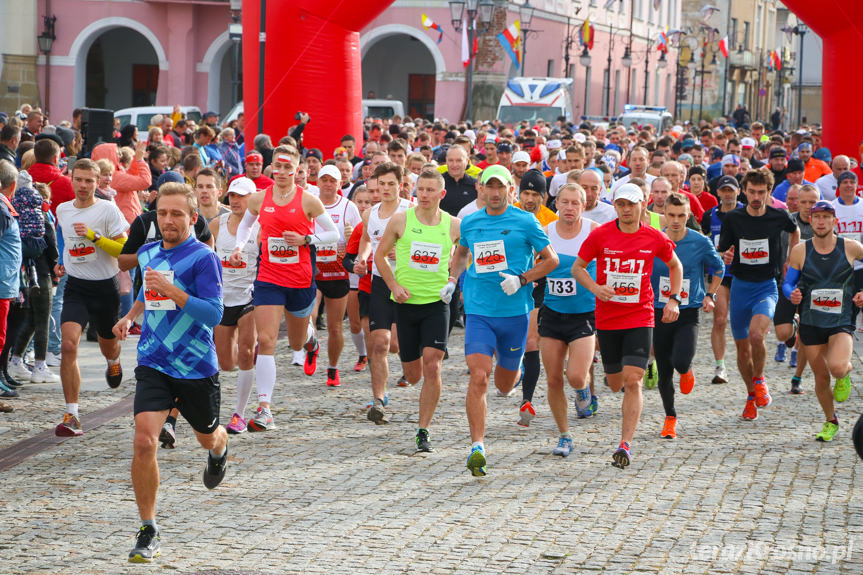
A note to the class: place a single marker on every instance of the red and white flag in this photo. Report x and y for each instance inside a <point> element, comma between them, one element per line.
<point>465,49</point>
<point>723,46</point>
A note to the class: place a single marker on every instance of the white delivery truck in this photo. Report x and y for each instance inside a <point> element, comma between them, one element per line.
<point>535,99</point>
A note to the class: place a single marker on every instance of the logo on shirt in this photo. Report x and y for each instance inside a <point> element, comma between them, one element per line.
<point>504,232</point>
<point>335,218</point>
<point>416,231</point>
<point>644,251</point>
<point>269,209</point>
<point>611,251</point>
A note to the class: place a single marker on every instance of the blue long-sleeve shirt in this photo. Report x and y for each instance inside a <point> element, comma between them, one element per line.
<point>697,254</point>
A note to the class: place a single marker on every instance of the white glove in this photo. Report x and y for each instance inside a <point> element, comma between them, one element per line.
<point>447,291</point>
<point>510,283</point>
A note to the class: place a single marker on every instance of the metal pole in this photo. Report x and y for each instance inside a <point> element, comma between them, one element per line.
<point>727,66</point>
<point>608,69</point>
<point>631,22</point>
<point>692,103</point>
<point>262,38</point>
<point>701,90</point>
<point>802,32</point>
<point>235,83</point>
<point>646,77</point>
<point>469,112</point>
<point>567,46</point>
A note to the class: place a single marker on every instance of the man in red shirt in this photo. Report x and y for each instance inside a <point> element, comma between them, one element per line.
<point>624,250</point>
<point>45,171</point>
<point>254,171</point>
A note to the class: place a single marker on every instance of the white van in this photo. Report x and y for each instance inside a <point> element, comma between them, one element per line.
<point>141,116</point>
<point>657,116</point>
<point>383,109</point>
<point>534,99</point>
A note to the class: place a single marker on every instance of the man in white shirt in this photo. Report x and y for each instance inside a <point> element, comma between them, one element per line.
<point>638,164</point>
<point>828,184</point>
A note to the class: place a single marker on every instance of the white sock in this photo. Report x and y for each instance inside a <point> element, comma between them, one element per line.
<point>40,364</point>
<point>360,342</point>
<point>477,444</point>
<point>265,373</point>
<point>310,330</point>
<point>72,408</point>
<point>15,360</point>
<point>114,361</point>
<point>245,379</point>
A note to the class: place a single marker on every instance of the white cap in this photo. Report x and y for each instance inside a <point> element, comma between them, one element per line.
<point>554,144</point>
<point>471,135</point>
<point>579,137</point>
<point>242,186</point>
<point>629,192</point>
<point>330,170</point>
<point>747,142</point>
<point>520,156</point>
<point>677,128</point>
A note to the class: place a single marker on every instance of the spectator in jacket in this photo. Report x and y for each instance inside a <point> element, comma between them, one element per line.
<point>233,163</point>
<point>127,182</point>
<point>10,137</point>
<point>46,152</point>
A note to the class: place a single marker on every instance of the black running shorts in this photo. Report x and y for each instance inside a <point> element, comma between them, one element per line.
<point>96,302</point>
<point>382,309</point>
<point>421,326</point>
<point>566,327</point>
<point>620,347</point>
<point>197,399</point>
<point>334,289</point>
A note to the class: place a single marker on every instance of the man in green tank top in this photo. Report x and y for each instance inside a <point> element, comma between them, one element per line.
<point>423,238</point>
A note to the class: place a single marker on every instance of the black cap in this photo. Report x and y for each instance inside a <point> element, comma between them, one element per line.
<point>44,136</point>
<point>777,153</point>
<point>728,182</point>
<point>533,180</point>
<point>504,147</point>
<point>315,153</point>
<point>210,115</point>
<point>795,165</point>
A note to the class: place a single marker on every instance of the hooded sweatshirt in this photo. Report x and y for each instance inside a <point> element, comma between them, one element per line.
<point>127,183</point>
<point>61,186</point>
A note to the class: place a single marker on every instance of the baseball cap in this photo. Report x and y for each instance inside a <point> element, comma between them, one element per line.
<point>210,114</point>
<point>824,206</point>
<point>554,145</point>
<point>520,156</point>
<point>823,154</point>
<point>533,180</point>
<point>728,182</point>
<point>846,175</point>
<point>579,137</point>
<point>747,142</point>
<point>504,147</point>
<point>730,160</point>
<point>332,171</point>
<point>4,117</point>
<point>777,153</point>
<point>170,176</point>
<point>804,146</point>
<point>254,156</point>
<point>315,153</point>
<point>629,192</point>
<point>242,186</point>
<point>688,143</point>
<point>795,165</point>
<point>496,172</point>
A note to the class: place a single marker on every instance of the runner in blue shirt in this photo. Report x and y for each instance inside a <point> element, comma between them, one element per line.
<point>674,343</point>
<point>181,301</point>
<point>502,241</point>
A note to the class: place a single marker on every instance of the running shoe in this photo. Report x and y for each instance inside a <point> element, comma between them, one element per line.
<point>720,375</point>
<point>214,472</point>
<point>750,412</point>
<point>582,403</point>
<point>52,360</point>
<point>403,381</point>
<point>792,361</point>
<point>780,352</point>
<point>43,375</point>
<point>762,395</point>
<point>19,371</point>
<point>422,441</point>
<point>299,358</point>
<point>594,404</point>
<point>564,447</point>
<point>476,461</point>
<point>263,420</point>
<point>526,413</point>
<point>622,457</point>
<point>828,431</point>
<point>361,364</point>
<point>147,545</point>
<point>509,393</point>
<point>669,429</point>
<point>167,436</point>
<point>69,427</point>
<point>687,382</point>
<point>377,412</point>
<point>651,377</point>
<point>386,401</point>
<point>842,388</point>
<point>135,329</point>
<point>333,377</point>
<point>114,375</point>
<point>237,425</point>
<point>311,364</point>
<point>796,386</point>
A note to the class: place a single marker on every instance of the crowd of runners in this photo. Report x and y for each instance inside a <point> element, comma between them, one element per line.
<point>553,245</point>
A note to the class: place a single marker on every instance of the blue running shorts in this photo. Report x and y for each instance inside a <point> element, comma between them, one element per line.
<point>749,299</point>
<point>505,335</point>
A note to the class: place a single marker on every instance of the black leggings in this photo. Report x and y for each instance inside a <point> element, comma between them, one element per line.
<point>674,348</point>
<point>38,318</point>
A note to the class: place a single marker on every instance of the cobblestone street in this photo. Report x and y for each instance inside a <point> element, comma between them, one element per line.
<point>329,492</point>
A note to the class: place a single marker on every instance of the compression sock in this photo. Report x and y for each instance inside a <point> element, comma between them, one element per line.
<point>360,342</point>
<point>265,372</point>
<point>245,379</point>
<point>531,375</point>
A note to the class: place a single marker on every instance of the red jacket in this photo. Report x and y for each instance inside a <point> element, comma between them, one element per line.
<point>61,186</point>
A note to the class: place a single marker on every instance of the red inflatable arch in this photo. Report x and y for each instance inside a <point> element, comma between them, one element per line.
<point>840,25</point>
<point>312,64</point>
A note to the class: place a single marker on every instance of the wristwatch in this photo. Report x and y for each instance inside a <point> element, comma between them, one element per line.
<point>522,279</point>
<point>96,237</point>
<point>712,296</point>
<point>676,298</point>
<point>307,240</point>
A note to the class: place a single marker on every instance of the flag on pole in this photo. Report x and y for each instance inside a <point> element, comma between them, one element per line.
<point>662,45</point>
<point>777,60</point>
<point>430,24</point>
<point>723,46</point>
<point>465,49</point>
<point>585,34</point>
<point>475,50</point>
<point>510,39</point>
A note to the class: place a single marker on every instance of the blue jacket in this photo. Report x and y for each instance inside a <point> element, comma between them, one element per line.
<point>10,253</point>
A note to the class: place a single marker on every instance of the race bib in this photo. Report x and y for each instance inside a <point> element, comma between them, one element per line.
<point>826,300</point>
<point>281,253</point>
<point>665,290</point>
<point>154,301</point>
<point>81,250</point>
<point>561,286</point>
<point>425,257</point>
<point>627,286</point>
<point>754,252</point>
<point>489,257</point>
<point>228,268</point>
<point>327,253</point>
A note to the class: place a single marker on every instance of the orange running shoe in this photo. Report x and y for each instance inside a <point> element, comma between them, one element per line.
<point>687,382</point>
<point>762,395</point>
<point>669,430</point>
<point>750,412</point>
